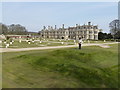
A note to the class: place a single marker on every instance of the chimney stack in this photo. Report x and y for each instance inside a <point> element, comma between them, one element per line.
<point>44,27</point>
<point>63,26</point>
<point>55,26</point>
<point>76,25</point>
<point>48,27</point>
<point>89,23</point>
<point>51,27</point>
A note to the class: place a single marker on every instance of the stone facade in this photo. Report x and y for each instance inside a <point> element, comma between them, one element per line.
<point>85,31</point>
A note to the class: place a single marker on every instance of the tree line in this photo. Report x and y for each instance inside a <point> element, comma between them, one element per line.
<point>103,36</point>
<point>16,29</point>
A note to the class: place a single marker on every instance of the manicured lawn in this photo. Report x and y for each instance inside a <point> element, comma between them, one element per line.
<point>62,68</point>
<point>24,44</point>
<point>44,43</point>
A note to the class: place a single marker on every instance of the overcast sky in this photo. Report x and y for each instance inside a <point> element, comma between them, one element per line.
<point>35,15</point>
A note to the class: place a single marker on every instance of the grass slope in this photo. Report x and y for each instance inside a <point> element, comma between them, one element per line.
<point>62,68</point>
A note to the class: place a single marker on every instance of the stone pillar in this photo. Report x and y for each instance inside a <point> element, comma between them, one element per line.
<point>87,34</point>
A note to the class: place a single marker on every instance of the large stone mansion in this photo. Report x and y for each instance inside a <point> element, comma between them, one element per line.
<point>84,31</point>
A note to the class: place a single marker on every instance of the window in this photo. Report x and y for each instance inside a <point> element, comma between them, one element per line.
<point>95,37</point>
<point>95,27</point>
<point>90,32</point>
<point>90,36</point>
<point>95,32</point>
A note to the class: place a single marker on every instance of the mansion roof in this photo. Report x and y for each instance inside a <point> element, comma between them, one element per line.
<point>88,26</point>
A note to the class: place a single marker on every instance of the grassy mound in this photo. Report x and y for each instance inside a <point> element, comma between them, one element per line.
<point>89,67</point>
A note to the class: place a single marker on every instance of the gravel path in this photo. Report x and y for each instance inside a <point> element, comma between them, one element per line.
<point>103,45</point>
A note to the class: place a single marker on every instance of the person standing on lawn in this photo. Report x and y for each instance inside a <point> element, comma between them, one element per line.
<point>80,43</point>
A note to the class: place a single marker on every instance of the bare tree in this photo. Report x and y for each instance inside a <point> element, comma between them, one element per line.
<point>17,29</point>
<point>13,29</point>
<point>114,26</point>
<point>3,29</point>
